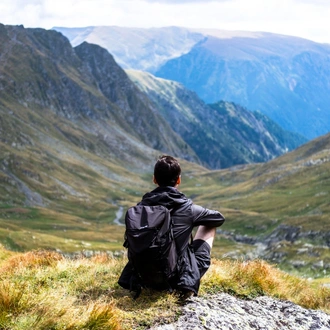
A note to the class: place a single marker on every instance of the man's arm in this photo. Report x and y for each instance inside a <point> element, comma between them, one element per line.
<point>206,217</point>
<point>207,220</point>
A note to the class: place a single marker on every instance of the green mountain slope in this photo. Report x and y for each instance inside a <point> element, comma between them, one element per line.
<point>40,70</point>
<point>71,143</point>
<point>221,134</point>
<point>278,211</point>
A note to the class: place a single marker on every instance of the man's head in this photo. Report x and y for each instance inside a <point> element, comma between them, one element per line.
<point>167,171</point>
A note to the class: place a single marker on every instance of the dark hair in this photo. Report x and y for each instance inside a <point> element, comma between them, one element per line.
<point>167,171</point>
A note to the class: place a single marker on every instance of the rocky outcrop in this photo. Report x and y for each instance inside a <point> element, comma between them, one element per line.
<point>225,312</point>
<point>287,247</point>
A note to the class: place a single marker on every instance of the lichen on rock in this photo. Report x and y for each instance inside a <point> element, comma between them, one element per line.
<point>226,312</point>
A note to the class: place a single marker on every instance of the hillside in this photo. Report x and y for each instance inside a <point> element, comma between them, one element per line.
<point>232,134</point>
<point>286,78</point>
<point>41,71</point>
<point>72,141</point>
<point>277,211</point>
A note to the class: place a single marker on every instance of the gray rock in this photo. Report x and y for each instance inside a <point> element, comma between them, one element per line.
<point>225,312</point>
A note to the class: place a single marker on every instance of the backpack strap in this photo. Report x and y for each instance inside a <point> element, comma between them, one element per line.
<point>144,218</point>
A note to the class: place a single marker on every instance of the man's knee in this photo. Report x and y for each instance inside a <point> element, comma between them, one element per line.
<point>206,234</point>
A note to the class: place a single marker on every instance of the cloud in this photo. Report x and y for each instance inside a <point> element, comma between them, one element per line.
<point>304,18</point>
<point>174,2</point>
<point>314,2</point>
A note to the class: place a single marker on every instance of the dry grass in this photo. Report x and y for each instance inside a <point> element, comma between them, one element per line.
<point>42,290</point>
<point>255,278</point>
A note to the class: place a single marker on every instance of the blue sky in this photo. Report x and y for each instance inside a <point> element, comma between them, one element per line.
<point>303,18</point>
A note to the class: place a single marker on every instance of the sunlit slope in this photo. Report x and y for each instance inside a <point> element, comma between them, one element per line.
<point>278,210</point>
<point>57,185</point>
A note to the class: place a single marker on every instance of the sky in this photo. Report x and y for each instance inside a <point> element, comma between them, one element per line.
<point>303,18</point>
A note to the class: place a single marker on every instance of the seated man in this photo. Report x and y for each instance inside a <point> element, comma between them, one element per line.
<point>193,257</point>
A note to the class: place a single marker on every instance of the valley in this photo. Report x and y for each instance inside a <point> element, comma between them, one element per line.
<point>79,137</point>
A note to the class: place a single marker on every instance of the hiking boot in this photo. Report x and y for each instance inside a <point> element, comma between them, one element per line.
<point>187,294</point>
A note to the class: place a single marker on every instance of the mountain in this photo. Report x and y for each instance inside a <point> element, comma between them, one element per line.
<point>222,134</point>
<point>284,77</point>
<point>75,132</point>
<point>40,70</point>
<point>136,48</point>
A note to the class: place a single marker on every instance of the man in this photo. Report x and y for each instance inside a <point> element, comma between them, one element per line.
<point>193,257</point>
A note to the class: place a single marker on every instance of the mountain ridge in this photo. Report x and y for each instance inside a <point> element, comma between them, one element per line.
<point>66,75</point>
<point>232,134</point>
<point>286,78</point>
<point>288,85</point>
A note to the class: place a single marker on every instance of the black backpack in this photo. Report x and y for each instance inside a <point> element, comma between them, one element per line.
<point>151,247</point>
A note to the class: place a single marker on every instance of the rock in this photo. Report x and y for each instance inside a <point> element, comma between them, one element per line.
<point>226,312</point>
<point>283,232</point>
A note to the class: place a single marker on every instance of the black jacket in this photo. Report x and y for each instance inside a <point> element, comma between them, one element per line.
<point>185,217</point>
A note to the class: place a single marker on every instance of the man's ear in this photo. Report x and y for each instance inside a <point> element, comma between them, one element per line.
<point>179,180</point>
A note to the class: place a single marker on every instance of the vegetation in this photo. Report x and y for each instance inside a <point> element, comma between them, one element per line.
<point>257,199</point>
<point>44,290</point>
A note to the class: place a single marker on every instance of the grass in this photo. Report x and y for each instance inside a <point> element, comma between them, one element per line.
<point>255,278</point>
<point>43,290</point>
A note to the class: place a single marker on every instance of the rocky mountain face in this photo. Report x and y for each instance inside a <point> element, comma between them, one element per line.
<point>286,78</point>
<point>73,127</point>
<point>40,70</point>
<point>222,134</point>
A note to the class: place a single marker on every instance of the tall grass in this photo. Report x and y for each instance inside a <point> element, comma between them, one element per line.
<point>43,290</point>
<point>257,277</point>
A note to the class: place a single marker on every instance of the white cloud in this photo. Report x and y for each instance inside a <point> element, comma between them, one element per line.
<point>305,18</point>
<point>174,2</point>
<point>314,2</point>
